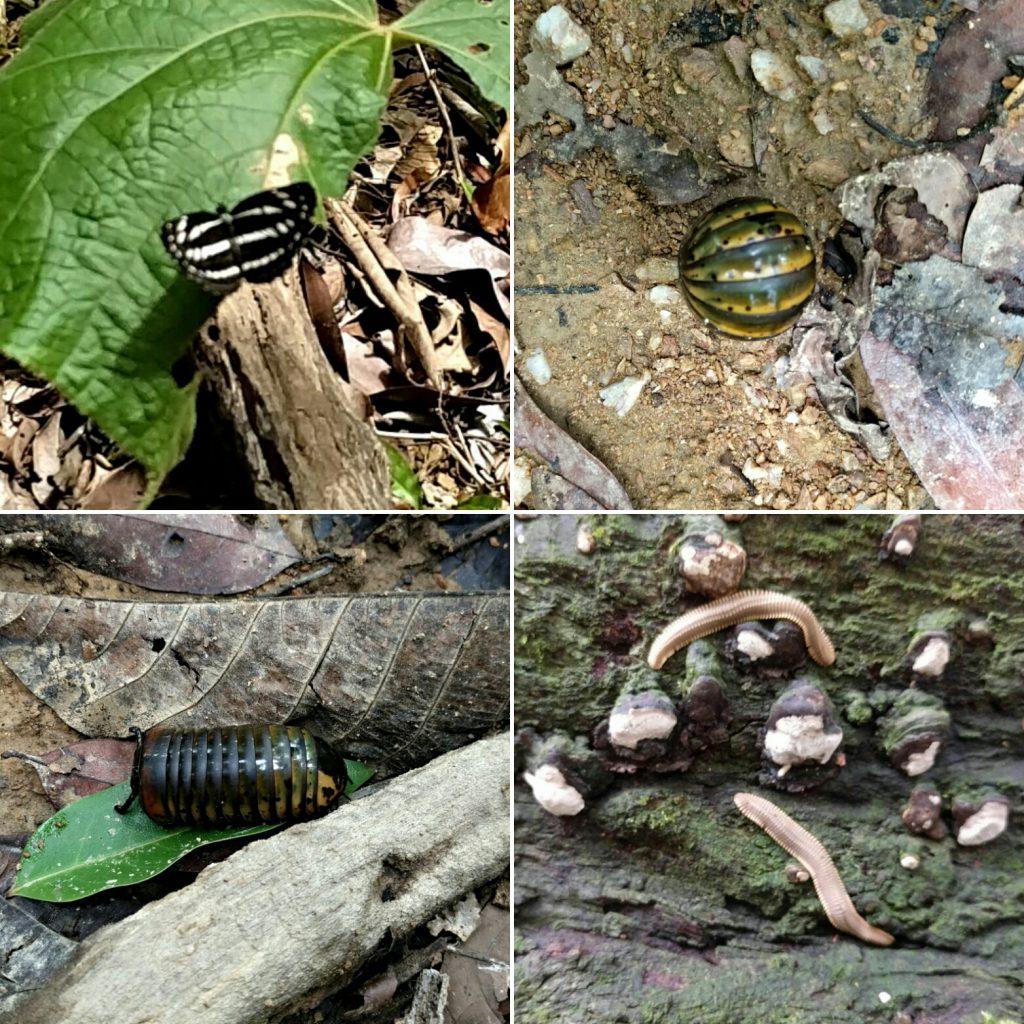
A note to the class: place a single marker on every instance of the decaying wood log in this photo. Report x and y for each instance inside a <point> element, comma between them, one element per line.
<point>288,919</point>
<point>658,901</point>
<point>299,428</point>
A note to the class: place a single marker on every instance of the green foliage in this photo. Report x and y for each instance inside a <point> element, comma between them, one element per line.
<point>88,847</point>
<point>405,485</point>
<point>117,117</point>
<point>486,502</point>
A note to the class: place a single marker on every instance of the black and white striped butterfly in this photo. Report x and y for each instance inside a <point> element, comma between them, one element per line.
<point>256,240</point>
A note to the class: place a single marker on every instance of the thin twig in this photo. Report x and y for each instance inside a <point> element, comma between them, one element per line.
<point>494,525</point>
<point>873,122</point>
<point>373,258</point>
<point>443,110</point>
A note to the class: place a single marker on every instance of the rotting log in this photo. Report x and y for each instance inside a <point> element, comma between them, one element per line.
<point>289,919</point>
<point>660,903</point>
<point>300,430</point>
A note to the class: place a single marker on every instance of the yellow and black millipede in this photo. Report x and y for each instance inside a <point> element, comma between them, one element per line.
<point>233,775</point>
<point>748,268</point>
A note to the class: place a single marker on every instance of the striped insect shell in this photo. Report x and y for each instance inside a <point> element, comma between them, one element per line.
<point>256,240</point>
<point>234,775</point>
<point>748,268</point>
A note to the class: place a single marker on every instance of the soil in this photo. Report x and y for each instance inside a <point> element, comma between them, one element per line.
<point>712,405</point>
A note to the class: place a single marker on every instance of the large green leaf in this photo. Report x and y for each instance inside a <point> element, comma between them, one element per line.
<point>116,117</point>
<point>88,847</point>
<point>476,35</point>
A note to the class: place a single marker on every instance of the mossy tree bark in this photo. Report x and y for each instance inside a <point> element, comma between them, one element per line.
<point>660,903</point>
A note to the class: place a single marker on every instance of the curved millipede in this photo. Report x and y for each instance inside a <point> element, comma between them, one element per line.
<point>796,840</point>
<point>233,775</point>
<point>738,607</point>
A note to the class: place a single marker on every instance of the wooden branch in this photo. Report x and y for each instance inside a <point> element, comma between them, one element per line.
<point>301,430</point>
<point>289,919</point>
<point>375,259</point>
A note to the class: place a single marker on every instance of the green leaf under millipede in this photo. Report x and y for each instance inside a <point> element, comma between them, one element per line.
<point>87,847</point>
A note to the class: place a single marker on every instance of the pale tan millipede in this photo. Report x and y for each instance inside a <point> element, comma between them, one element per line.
<point>796,840</point>
<point>738,607</point>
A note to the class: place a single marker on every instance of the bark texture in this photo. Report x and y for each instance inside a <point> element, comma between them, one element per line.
<point>660,903</point>
<point>289,919</point>
<point>300,430</point>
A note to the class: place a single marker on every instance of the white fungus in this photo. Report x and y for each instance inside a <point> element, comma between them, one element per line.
<point>798,739</point>
<point>553,792</point>
<point>933,658</point>
<point>753,645</point>
<point>629,725</point>
<point>920,762</point>
<point>985,824</point>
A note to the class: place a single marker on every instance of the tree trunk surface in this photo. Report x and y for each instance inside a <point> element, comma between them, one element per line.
<point>300,430</point>
<point>659,902</point>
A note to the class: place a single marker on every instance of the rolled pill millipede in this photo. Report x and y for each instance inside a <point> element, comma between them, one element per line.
<point>748,268</point>
<point>233,776</point>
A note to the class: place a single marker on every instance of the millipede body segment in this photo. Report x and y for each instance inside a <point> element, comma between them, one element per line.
<point>233,775</point>
<point>739,607</point>
<point>798,842</point>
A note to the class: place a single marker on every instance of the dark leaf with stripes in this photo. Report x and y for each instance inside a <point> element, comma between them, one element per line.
<point>254,241</point>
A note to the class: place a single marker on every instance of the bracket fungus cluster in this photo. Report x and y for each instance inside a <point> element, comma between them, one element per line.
<point>913,731</point>
<point>976,820</point>
<point>801,740</point>
<point>647,729</point>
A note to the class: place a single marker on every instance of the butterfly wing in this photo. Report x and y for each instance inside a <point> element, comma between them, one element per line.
<point>203,245</point>
<point>269,228</point>
<point>256,240</point>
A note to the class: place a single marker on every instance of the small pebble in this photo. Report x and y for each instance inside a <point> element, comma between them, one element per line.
<point>559,36</point>
<point>623,394</point>
<point>845,17</point>
<point>814,66</point>
<point>659,269</point>
<point>774,75</point>
<point>664,295</point>
<point>537,366</point>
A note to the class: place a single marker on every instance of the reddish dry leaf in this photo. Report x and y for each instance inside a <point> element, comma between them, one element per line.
<point>478,986</point>
<point>496,330</point>
<point>939,356</point>
<point>320,304</point>
<point>395,678</point>
<point>971,56</point>
<point>367,373</point>
<point>80,769</point>
<point>116,488</point>
<point>190,554</point>
<point>426,248</point>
